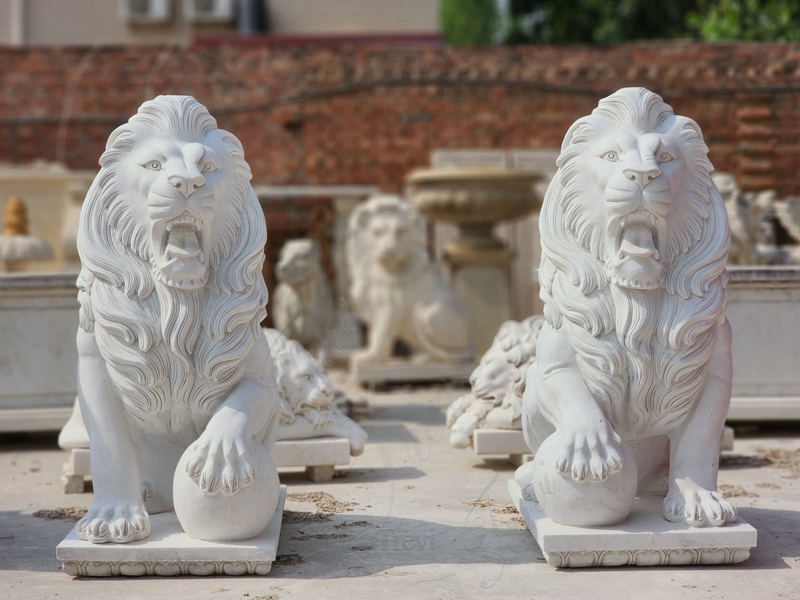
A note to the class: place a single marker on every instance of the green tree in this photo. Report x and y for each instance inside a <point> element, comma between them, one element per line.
<point>750,20</point>
<point>468,22</point>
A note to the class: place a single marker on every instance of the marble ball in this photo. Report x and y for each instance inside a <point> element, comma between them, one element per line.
<point>588,503</point>
<point>221,518</point>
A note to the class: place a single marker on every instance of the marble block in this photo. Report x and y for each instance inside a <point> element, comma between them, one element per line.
<point>644,539</point>
<point>502,441</point>
<point>170,552</point>
<point>320,456</point>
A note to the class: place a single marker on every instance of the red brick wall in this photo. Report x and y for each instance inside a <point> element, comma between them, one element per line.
<point>368,114</point>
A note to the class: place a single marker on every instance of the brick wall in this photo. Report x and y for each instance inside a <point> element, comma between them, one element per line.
<point>368,114</point>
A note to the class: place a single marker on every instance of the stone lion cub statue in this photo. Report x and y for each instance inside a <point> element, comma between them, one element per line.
<point>302,307</point>
<point>172,360</point>
<point>632,379</point>
<point>398,291</point>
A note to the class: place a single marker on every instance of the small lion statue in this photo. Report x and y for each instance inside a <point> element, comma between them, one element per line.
<point>632,380</point>
<point>172,359</point>
<point>498,382</point>
<point>398,291</point>
<point>302,307</point>
<point>307,408</point>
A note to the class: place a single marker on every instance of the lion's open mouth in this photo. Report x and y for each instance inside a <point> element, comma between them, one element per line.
<point>182,260</point>
<point>638,236</point>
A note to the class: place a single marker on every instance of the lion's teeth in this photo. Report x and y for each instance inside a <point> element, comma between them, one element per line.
<point>201,256</point>
<point>652,219</point>
<point>169,226</point>
<point>622,221</point>
<point>656,255</point>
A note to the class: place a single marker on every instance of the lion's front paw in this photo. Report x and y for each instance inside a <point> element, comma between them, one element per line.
<point>221,462</point>
<point>116,523</point>
<point>592,451</point>
<point>692,505</point>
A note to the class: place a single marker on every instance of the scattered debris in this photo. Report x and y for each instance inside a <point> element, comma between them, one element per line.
<point>297,516</point>
<point>782,459</point>
<point>352,524</point>
<point>769,486</point>
<point>477,502</point>
<point>505,509</point>
<point>323,501</point>
<point>68,513</point>
<point>519,521</point>
<point>286,559</point>
<point>733,491</point>
<point>318,536</point>
<point>361,548</point>
<point>270,597</point>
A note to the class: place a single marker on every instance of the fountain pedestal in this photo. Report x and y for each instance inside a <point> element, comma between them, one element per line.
<point>475,199</point>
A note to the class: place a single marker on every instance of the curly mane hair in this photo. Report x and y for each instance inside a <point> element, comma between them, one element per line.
<point>642,353</point>
<point>170,352</point>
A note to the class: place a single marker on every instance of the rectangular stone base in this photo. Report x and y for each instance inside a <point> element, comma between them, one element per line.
<point>170,552</point>
<point>645,538</point>
<point>502,441</point>
<point>319,456</point>
<point>400,371</point>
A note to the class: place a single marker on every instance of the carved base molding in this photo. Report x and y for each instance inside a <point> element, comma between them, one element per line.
<point>169,552</point>
<point>644,539</point>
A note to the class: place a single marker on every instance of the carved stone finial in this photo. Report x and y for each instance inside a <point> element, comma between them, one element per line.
<point>15,221</point>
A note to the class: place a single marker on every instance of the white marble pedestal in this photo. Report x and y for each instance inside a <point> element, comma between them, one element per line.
<point>644,539</point>
<point>404,371</point>
<point>502,441</point>
<point>319,456</point>
<point>170,552</point>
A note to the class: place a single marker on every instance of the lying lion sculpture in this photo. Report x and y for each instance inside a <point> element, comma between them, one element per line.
<point>398,291</point>
<point>307,408</point>
<point>498,382</point>
<point>632,379</point>
<point>171,355</point>
<point>303,305</point>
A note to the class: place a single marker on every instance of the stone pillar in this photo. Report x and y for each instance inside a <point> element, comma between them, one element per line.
<point>475,199</point>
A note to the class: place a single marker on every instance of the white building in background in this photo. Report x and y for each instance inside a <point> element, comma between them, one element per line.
<point>86,22</point>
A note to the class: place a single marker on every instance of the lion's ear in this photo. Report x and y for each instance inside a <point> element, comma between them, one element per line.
<point>121,138</point>
<point>575,135</point>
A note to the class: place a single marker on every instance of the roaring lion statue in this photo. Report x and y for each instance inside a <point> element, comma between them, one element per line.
<point>302,307</point>
<point>397,290</point>
<point>635,356</point>
<point>307,407</point>
<point>171,353</point>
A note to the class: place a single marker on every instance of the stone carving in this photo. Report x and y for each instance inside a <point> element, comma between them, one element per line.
<point>398,291</point>
<point>307,408</point>
<point>303,305</point>
<point>172,359</point>
<point>498,383</point>
<point>16,243</point>
<point>632,378</point>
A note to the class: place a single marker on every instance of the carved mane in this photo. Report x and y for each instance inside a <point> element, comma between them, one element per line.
<point>170,352</point>
<point>643,354</point>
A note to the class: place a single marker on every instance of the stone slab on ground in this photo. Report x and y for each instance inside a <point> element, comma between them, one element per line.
<point>379,373</point>
<point>645,538</point>
<point>170,552</point>
<point>764,408</point>
<point>511,442</point>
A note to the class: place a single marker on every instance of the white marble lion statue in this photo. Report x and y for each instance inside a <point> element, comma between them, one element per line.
<point>396,289</point>
<point>171,353</point>
<point>634,359</point>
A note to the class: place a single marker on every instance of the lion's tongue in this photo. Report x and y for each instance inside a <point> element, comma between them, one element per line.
<point>637,241</point>
<point>182,243</point>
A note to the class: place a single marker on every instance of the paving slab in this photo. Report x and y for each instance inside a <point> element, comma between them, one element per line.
<point>411,518</point>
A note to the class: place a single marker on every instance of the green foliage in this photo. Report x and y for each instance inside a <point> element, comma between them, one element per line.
<point>595,21</point>
<point>749,20</point>
<point>468,22</point>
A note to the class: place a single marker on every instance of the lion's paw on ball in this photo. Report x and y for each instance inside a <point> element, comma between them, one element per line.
<point>223,518</point>
<point>587,503</point>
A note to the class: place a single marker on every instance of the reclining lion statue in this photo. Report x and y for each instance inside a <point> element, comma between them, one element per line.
<point>635,356</point>
<point>171,353</point>
<point>398,291</point>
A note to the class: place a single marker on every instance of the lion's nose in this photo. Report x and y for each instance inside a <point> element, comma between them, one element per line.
<point>186,185</point>
<point>642,177</point>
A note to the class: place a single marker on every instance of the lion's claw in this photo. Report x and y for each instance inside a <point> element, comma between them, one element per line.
<point>221,463</point>
<point>692,505</point>
<point>591,452</point>
<point>114,523</point>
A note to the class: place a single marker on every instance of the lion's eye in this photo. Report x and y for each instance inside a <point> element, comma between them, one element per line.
<point>665,157</point>
<point>612,156</point>
<point>153,165</point>
<point>208,167</point>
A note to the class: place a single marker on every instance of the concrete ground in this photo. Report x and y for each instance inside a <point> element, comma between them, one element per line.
<point>413,518</point>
